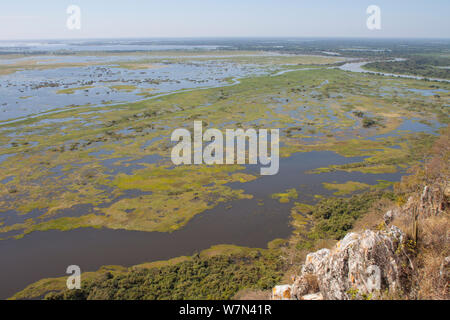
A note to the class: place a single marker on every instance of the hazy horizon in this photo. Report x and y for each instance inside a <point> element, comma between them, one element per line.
<point>45,20</point>
<point>226,38</point>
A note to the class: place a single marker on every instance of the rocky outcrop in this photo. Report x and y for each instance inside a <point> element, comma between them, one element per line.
<point>282,292</point>
<point>390,215</point>
<point>444,271</point>
<point>432,202</point>
<point>372,264</point>
<point>361,265</point>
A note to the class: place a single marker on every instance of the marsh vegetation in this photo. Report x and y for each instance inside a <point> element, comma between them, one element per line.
<point>98,155</point>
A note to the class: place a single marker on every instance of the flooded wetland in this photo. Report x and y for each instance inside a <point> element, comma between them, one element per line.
<point>85,171</point>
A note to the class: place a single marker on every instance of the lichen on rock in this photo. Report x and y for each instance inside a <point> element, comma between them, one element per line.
<point>361,265</point>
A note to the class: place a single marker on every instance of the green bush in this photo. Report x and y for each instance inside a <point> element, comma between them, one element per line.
<point>217,277</point>
<point>368,122</point>
<point>333,217</point>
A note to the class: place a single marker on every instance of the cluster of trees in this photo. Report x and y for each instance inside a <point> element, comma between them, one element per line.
<point>216,277</point>
<point>430,67</point>
<point>334,217</point>
<point>367,122</point>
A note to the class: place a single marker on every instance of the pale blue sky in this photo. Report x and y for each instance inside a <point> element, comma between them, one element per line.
<point>46,19</point>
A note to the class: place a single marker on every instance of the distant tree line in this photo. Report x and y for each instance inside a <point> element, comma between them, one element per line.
<point>429,67</point>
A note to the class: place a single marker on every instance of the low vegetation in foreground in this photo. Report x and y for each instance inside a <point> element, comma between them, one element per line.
<point>216,273</point>
<point>217,277</point>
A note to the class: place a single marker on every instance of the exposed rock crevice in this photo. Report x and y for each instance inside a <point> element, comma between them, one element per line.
<point>361,265</point>
<point>370,264</point>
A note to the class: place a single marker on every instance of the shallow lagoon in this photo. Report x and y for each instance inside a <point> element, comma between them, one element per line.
<point>31,92</point>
